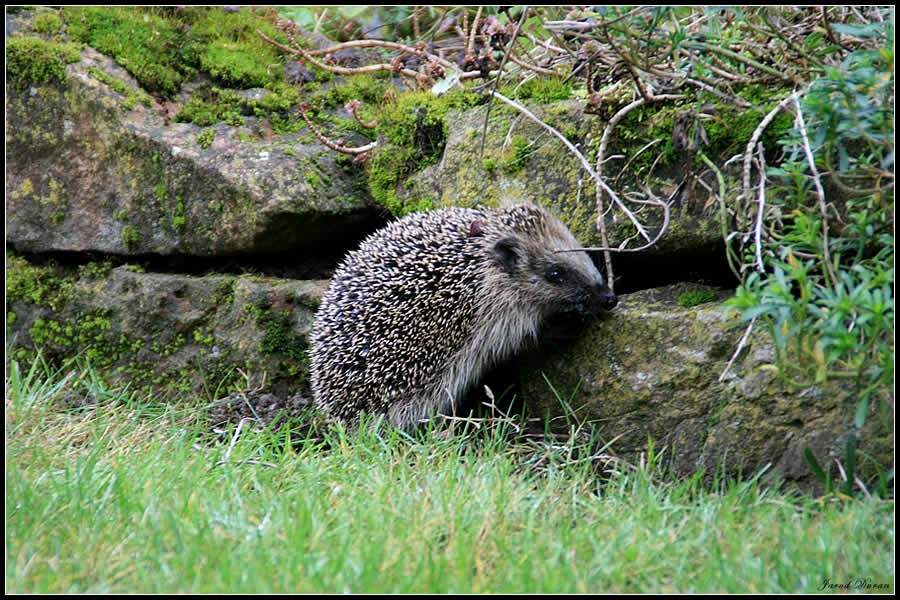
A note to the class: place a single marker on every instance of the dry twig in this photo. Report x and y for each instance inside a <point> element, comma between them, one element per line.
<point>820,191</point>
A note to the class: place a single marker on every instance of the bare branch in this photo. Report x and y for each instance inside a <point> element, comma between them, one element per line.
<point>665,224</point>
<point>754,138</point>
<point>760,209</point>
<point>470,45</point>
<point>740,346</point>
<point>601,152</point>
<point>820,191</point>
<point>421,53</point>
<point>337,147</point>
<point>597,179</point>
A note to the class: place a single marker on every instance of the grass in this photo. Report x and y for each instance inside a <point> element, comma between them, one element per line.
<point>124,497</point>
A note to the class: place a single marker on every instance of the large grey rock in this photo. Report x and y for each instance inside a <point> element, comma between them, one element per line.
<point>163,332</point>
<point>89,171</point>
<point>652,368</point>
<point>552,175</point>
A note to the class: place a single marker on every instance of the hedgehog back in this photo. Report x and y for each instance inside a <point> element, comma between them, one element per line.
<point>397,310</point>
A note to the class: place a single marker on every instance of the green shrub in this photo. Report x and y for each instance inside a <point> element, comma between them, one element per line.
<point>825,291</point>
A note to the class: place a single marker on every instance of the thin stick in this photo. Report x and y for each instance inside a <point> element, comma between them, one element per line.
<point>235,436</point>
<point>740,345</point>
<point>470,45</point>
<point>662,229</point>
<point>382,44</point>
<point>604,140</point>
<point>334,146</point>
<point>307,55</point>
<point>820,191</point>
<point>754,138</point>
<point>512,43</point>
<point>760,207</point>
<point>584,162</point>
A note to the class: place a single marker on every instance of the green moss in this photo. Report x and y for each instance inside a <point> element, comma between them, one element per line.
<point>36,285</point>
<point>152,49</point>
<point>413,131</point>
<point>205,138</point>
<point>160,190</point>
<point>163,47</point>
<point>311,178</point>
<point>32,60</point>
<point>694,297</point>
<point>541,90</point>
<point>279,339</point>
<point>234,64</point>
<point>94,270</point>
<point>727,128</point>
<point>179,223</point>
<point>731,128</point>
<point>84,334</point>
<point>210,105</point>
<point>130,237</point>
<point>231,51</point>
<point>417,120</point>
<point>517,156</point>
<point>92,333</point>
<point>368,90</point>
<point>204,336</point>
<point>47,22</point>
<point>24,281</point>
<point>386,170</point>
<point>26,188</point>
<point>132,97</point>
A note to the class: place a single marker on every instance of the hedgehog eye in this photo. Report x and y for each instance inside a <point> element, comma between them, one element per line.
<point>554,274</point>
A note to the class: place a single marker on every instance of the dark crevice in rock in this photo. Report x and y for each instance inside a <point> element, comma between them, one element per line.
<point>703,265</point>
<point>633,272</point>
<point>295,264</point>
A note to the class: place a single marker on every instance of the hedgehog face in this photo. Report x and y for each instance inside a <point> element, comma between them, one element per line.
<point>555,282</point>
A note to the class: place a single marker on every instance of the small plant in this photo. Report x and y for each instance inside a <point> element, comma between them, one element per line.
<point>47,22</point>
<point>205,138</point>
<point>695,297</point>
<point>130,237</point>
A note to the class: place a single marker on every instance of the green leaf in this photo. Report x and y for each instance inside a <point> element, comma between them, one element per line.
<point>862,408</point>
<point>816,469</point>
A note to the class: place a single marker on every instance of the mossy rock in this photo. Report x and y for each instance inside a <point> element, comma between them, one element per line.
<point>165,334</point>
<point>514,158</point>
<point>655,370</point>
<point>86,175</point>
<point>96,165</point>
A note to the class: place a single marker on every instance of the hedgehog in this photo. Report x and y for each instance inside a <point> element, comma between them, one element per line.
<point>426,305</point>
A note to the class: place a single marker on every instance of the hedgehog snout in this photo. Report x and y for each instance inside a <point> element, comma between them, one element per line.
<point>599,298</point>
<point>591,300</point>
<point>607,298</point>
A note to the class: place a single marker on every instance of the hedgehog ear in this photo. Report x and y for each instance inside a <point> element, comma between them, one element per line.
<point>506,253</point>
